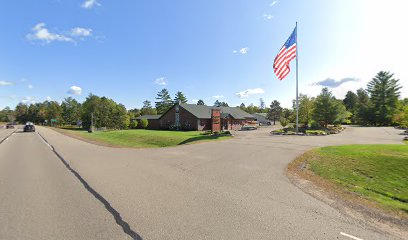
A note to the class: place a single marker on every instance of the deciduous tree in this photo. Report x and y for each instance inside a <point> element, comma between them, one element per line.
<point>305,109</point>
<point>71,110</point>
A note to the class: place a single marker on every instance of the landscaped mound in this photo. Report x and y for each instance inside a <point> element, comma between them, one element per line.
<point>375,173</point>
<point>305,131</point>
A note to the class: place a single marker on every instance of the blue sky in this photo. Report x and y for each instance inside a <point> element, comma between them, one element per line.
<point>129,50</point>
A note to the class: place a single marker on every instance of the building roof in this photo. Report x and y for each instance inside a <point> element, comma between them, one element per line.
<point>261,114</point>
<point>261,117</point>
<point>149,117</point>
<point>202,111</point>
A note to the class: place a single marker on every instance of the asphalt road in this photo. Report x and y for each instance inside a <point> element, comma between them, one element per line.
<point>234,189</point>
<point>40,199</point>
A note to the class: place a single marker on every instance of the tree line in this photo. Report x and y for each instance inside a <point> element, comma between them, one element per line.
<point>377,105</point>
<point>96,110</point>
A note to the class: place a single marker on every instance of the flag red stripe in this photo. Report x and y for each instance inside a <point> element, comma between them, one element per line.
<point>282,61</point>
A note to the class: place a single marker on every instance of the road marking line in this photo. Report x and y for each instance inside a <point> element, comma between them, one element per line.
<point>44,141</point>
<point>6,138</point>
<point>350,236</point>
<point>116,215</point>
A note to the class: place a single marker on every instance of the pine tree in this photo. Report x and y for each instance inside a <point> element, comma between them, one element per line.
<point>180,98</point>
<point>275,111</point>
<point>327,109</point>
<point>223,104</point>
<point>147,109</point>
<point>200,102</point>
<point>164,101</point>
<point>384,94</point>
<point>362,113</point>
<point>350,102</point>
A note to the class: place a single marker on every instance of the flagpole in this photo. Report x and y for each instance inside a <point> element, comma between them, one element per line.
<point>297,91</point>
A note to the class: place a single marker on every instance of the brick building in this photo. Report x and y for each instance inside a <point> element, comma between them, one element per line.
<point>191,117</point>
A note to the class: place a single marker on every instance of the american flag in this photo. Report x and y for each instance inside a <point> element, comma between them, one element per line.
<point>285,55</point>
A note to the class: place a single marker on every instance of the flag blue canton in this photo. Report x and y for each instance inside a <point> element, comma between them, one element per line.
<point>286,54</point>
<point>292,39</point>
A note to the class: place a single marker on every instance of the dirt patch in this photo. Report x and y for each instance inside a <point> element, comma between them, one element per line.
<point>349,203</point>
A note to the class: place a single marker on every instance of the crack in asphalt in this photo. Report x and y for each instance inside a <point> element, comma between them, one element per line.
<point>4,139</point>
<point>119,220</point>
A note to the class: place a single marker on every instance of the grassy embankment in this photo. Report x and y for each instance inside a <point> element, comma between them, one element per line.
<point>140,138</point>
<point>377,173</point>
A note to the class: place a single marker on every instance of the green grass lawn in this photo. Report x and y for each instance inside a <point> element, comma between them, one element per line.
<point>377,172</point>
<point>140,138</point>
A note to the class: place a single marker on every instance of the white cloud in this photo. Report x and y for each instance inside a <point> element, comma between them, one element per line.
<point>28,100</point>
<point>48,98</point>
<point>30,86</point>
<point>267,16</point>
<point>90,4</point>
<point>75,90</point>
<point>244,50</point>
<point>218,96</point>
<point>81,32</point>
<point>332,83</point>
<point>249,92</point>
<point>6,83</point>
<point>161,81</point>
<point>273,3</point>
<point>41,33</point>
<point>194,101</point>
<point>339,87</point>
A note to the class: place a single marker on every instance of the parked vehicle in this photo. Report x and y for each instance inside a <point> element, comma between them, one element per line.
<point>29,127</point>
<point>9,126</point>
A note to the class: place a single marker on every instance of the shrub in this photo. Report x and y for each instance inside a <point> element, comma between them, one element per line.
<point>144,123</point>
<point>278,131</point>
<point>314,125</point>
<point>173,128</point>
<point>284,122</point>
<point>133,124</point>
<point>404,124</point>
<point>316,132</point>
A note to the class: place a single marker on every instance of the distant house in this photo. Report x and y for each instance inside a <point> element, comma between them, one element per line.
<point>193,117</point>
<point>262,118</point>
<point>153,121</point>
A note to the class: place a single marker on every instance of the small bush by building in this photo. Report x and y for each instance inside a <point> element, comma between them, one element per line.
<point>144,123</point>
